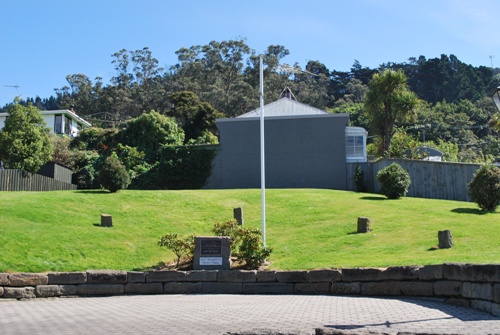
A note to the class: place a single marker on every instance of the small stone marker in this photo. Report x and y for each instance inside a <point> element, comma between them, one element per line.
<point>364,225</point>
<point>212,253</point>
<point>445,239</point>
<point>106,220</point>
<point>238,215</point>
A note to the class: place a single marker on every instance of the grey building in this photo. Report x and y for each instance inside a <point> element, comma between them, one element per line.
<point>305,147</point>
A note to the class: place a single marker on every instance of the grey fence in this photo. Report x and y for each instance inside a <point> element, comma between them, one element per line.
<point>17,180</point>
<point>434,180</point>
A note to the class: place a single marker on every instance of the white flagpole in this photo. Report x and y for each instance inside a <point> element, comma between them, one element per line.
<point>262,154</point>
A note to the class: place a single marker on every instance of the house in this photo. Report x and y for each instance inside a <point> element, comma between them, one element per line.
<point>61,122</point>
<point>305,147</point>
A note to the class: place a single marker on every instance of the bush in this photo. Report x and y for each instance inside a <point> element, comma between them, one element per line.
<point>246,243</point>
<point>359,179</point>
<point>484,189</point>
<point>180,245</point>
<point>113,175</point>
<point>395,181</point>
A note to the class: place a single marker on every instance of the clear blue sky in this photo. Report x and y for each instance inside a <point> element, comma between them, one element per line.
<point>43,41</point>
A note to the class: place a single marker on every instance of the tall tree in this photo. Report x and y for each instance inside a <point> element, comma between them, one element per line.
<point>24,140</point>
<point>388,100</point>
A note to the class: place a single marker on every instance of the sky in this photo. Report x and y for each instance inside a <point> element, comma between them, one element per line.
<point>44,41</point>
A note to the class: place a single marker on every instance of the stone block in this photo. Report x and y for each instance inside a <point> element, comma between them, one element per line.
<point>222,288</point>
<point>488,273</point>
<point>312,288</point>
<point>238,215</point>
<point>381,288</point>
<point>63,278</point>
<point>136,277</point>
<point>341,288</point>
<point>431,272</point>
<point>67,290</point>
<point>237,276</point>
<point>448,288</point>
<point>202,275</point>
<point>364,225</point>
<point>267,288</point>
<point>292,276</point>
<point>19,292</point>
<point>477,291</point>
<point>319,276</point>
<point>399,273</point>
<point>106,220</point>
<point>27,279</point>
<point>420,289</point>
<point>362,274</point>
<point>46,291</point>
<point>1,291</point>
<point>485,306</point>
<point>4,279</point>
<point>106,277</point>
<point>496,293</point>
<point>266,276</point>
<point>445,239</point>
<point>143,288</point>
<point>165,276</point>
<point>182,288</point>
<point>100,289</point>
<point>495,309</point>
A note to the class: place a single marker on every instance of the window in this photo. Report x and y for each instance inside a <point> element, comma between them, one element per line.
<point>58,124</point>
<point>355,144</point>
<point>67,125</point>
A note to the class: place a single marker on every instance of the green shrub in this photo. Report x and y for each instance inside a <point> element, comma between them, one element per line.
<point>113,175</point>
<point>246,243</point>
<point>394,181</point>
<point>180,245</point>
<point>484,189</point>
<point>359,179</point>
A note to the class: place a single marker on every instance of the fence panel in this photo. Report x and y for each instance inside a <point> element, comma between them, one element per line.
<point>17,180</point>
<point>434,180</point>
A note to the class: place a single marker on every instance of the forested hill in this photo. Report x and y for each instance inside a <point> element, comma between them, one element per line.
<point>221,79</point>
<point>225,74</point>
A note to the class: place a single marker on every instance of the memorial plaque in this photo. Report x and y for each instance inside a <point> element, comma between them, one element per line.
<point>210,260</point>
<point>211,247</point>
<point>212,253</point>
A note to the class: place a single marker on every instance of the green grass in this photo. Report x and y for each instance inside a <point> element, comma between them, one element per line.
<point>307,228</point>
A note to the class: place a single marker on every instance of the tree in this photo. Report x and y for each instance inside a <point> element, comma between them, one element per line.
<point>113,175</point>
<point>150,131</point>
<point>24,141</point>
<point>195,117</point>
<point>388,100</point>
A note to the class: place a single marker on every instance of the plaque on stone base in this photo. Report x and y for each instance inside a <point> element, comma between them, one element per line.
<point>212,253</point>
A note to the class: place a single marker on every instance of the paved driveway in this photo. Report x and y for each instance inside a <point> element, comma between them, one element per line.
<point>222,314</point>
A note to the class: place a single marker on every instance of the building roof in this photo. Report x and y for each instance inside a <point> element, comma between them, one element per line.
<point>284,107</point>
<point>68,113</point>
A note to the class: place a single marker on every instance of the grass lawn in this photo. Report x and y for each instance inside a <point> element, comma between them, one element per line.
<point>307,228</point>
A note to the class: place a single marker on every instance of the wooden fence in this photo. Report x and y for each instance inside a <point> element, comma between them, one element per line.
<point>434,180</point>
<point>17,180</point>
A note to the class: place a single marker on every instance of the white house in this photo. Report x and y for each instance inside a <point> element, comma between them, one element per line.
<point>61,122</point>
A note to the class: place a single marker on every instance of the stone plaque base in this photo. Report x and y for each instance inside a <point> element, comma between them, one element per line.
<point>212,253</point>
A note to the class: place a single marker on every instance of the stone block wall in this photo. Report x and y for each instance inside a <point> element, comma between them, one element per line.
<point>472,285</point>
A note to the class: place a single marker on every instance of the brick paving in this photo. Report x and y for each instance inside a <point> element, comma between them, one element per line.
<point>241,314</point>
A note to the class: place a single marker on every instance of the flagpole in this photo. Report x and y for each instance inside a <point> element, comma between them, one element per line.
<point>262,155</point>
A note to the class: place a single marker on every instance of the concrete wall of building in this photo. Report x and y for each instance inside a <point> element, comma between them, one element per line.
<point>301,152</point>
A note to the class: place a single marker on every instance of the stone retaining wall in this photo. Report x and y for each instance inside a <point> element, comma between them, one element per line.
<point>477,286</point>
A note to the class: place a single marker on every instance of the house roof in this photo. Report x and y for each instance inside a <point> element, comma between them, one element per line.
<point>284,107</point>
<point>68,113</point>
